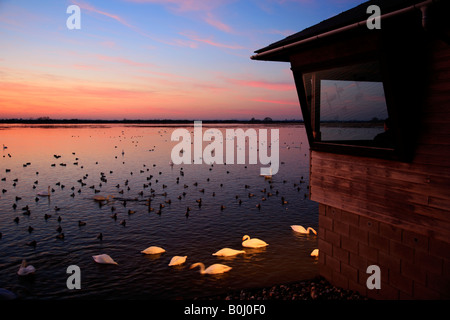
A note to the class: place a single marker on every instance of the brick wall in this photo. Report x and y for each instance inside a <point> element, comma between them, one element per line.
<point>413,266</point>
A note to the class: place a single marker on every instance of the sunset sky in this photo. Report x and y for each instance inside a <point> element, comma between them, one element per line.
<point>151,59</point>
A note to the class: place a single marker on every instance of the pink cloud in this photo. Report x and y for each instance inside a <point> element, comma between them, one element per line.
<point>85,67</point>
<point>277,86</point>
<point>187,5</point>
<point>108,44</point>
<point>88,7</point>
<point>194,37</point>
<point>213,21</point>
<point>282,102</point>
<point>122,61</point>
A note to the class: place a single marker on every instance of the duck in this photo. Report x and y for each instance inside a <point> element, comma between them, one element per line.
<point>177,260</point>
<point>253,243</point>
<point>32,243</point>
<point>227,252</point>
<point>301,229</point>
<point>25,269</point>
<point>212,269</point>
<point>104,259</point>
<point>153,250</point>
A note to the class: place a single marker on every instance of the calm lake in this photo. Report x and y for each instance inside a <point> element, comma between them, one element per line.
<point>132,163</point>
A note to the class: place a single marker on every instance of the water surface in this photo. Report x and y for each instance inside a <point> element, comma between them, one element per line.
<point>131,162</point>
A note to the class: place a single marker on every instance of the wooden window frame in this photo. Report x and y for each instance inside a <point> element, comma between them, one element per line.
<point>346,147</point>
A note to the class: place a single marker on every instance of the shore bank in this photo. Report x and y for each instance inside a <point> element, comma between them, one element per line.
<point>314,289</point>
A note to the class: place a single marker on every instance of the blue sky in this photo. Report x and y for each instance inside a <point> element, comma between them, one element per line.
<point>151,59</point>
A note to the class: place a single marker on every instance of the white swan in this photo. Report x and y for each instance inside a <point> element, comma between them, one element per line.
<point>45,194</point>
<point>153,250</point>
<point>301,229</point>
<point>253,243</point>
<point>177,260</point>
<point>104,259</point>
<point>25,270</point>
<point>101,198</point>
<point>212,269</point>
<point>227,252</point>
<point>315,253</point>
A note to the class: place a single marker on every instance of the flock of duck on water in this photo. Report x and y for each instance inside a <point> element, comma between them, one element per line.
<point>247,242</point>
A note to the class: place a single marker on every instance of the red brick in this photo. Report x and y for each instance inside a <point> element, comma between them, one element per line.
<point>341,228</point>
<point>358,262</point>
<point>350,218</point>
<point>390,232</point>
<point>378,242</point>
<point>386,292</point>
<point>439,248</point>
<point>400,250</point>
<point>326,222</point>
<point>368,224</point>
<point>341,254</point>
<point>359,235</point>
<point>439,284</point>
<point>324,270</point>
<point>423,293</point>
<point>414,272</point>
<point>322,209</point>
<point>415,240</point>
<point>325,247</point>
<point>349,272</point>
<point>404,296</point>
<point>400,282</point>
<point>340,280</point>
<point>446,272</point>
<point>333,263</point>
<point>333,238</point>
<point>321,232</point>
<point>429,262</point>
<point>390,262</point>
<point>368,252</point>
<point>334,213</point>
<point>321,258</point>
<point>349,244</point>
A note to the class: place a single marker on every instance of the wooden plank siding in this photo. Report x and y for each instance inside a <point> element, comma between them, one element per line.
<point>391,213</point>
<point>415,194</point>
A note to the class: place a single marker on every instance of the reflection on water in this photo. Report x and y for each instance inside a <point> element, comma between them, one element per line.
<point>131,164</point>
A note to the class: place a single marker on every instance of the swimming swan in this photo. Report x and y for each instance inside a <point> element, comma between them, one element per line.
<point>103,259</point>
<point>212,269</point>
<point>177,260</point>
<point>301,229</point>
<point>102,198</point>
<point>253,243</point>
<point>45,194</point>
<point>227,252</point>
<point>153,250</point>
<point>25,270</point>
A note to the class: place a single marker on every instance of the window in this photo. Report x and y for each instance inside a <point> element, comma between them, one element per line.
<point>346,106</point>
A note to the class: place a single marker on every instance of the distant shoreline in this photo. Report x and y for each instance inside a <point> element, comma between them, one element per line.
<point>125,121</point>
